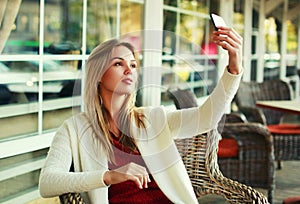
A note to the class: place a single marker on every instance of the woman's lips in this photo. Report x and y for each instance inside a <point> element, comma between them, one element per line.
<point>127,81</point>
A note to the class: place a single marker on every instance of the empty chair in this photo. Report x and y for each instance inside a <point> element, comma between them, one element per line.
<point>250,92</point>
<point>286,136</point>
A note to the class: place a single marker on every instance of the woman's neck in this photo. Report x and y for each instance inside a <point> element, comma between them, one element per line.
<point>113,104</point>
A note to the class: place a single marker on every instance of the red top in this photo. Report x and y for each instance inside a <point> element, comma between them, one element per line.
<point>128,192</point>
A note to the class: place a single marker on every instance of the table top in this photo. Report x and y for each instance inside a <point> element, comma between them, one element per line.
<point>291,106</point>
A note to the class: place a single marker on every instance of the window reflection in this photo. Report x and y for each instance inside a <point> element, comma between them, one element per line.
<point>101,22</point>
<point>189,59</point>
<point>20,80</point>
<point>24,37</point>
<point>18,121</point>
<point>63,23</point>
<point>17,182</point>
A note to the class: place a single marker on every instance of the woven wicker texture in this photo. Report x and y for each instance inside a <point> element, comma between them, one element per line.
<point>286,146</point>
<point>71,198</point>
<point>255,163</point>
<point>254,166</point>
<point>199,155</point>
<point>250,92</point>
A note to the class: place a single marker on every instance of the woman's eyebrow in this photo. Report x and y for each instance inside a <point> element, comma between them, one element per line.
<point>120,58</point>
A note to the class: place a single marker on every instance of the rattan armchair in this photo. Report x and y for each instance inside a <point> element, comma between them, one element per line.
<point>250,92</point>
<point>254,164</point>
<point>286,146</point>
<point>200,157</point>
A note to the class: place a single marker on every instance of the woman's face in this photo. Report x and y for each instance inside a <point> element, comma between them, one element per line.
<point>121,75</point>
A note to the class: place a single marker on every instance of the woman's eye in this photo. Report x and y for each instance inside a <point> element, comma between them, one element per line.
<point>133,65</point>
<point>118,64</point>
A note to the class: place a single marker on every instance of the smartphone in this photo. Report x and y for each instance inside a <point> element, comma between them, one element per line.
<point>217,21</point>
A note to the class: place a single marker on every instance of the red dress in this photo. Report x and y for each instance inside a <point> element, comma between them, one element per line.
<point>128,192</point>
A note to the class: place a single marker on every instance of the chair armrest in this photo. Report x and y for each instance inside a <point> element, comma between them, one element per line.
<point>233,117</point>
<point>254,140</point>
<point>254,114</point>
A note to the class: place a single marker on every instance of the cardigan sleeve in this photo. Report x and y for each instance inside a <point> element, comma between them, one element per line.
<point>55,178</point>
<point>190,122</point>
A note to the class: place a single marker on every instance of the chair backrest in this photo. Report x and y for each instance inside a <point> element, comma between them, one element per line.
<point>250,92</point>
<point>183,98</point>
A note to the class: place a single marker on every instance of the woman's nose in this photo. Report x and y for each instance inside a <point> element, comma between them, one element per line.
<point>128,68</point>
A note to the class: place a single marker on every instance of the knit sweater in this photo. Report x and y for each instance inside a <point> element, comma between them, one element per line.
<point>128,192</point>
<point>75,141</point>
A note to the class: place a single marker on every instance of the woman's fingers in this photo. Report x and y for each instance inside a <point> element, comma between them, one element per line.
<point>133,172</point>
<point>228,38</point>
<point>231,41</point>
<point>140,172</point>
<point>145,180</point>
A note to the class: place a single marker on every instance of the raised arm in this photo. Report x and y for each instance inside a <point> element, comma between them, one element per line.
<point>189,122</point>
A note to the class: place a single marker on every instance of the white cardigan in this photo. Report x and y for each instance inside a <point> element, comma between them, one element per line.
<point>76,141</point>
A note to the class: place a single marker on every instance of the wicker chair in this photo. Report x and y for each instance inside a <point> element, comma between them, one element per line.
<point>286,146</point>
<point>254,165</point>
<point>201,161</point>
<point>255,147</point>
<point>199,155</point>
<point>250,92</point>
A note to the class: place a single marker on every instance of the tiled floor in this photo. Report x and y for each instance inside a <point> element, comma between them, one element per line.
<point>287,184</point>
<point>287,181</point>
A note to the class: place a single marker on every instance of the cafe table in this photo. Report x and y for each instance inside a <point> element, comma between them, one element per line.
<point>290,106</point>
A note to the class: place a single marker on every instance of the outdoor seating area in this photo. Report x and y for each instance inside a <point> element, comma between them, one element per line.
<point>169,55</point>
<point>253,164</point>
<point>286,134</point>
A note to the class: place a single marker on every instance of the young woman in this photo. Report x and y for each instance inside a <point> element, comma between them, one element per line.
<point>125,154</point>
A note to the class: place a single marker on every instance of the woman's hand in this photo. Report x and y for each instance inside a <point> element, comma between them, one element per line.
<point>130,172</point>
<point>231,41</point>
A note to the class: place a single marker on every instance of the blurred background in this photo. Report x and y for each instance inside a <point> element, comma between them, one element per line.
<point>42,62</point>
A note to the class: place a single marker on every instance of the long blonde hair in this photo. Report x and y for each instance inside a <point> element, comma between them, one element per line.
<point>96,66</point>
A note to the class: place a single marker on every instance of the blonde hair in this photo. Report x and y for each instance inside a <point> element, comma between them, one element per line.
<point>96,66</point>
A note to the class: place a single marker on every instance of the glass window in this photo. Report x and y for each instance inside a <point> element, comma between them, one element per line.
<point>38,90</point>
<point>189,59</point>
<point>63,26</point>
<point>20,178</point>
<point>24,37</point>
<point>131,17</point>
<point>19,88</point>
<point>40,77</point>
<point>101,22</point>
